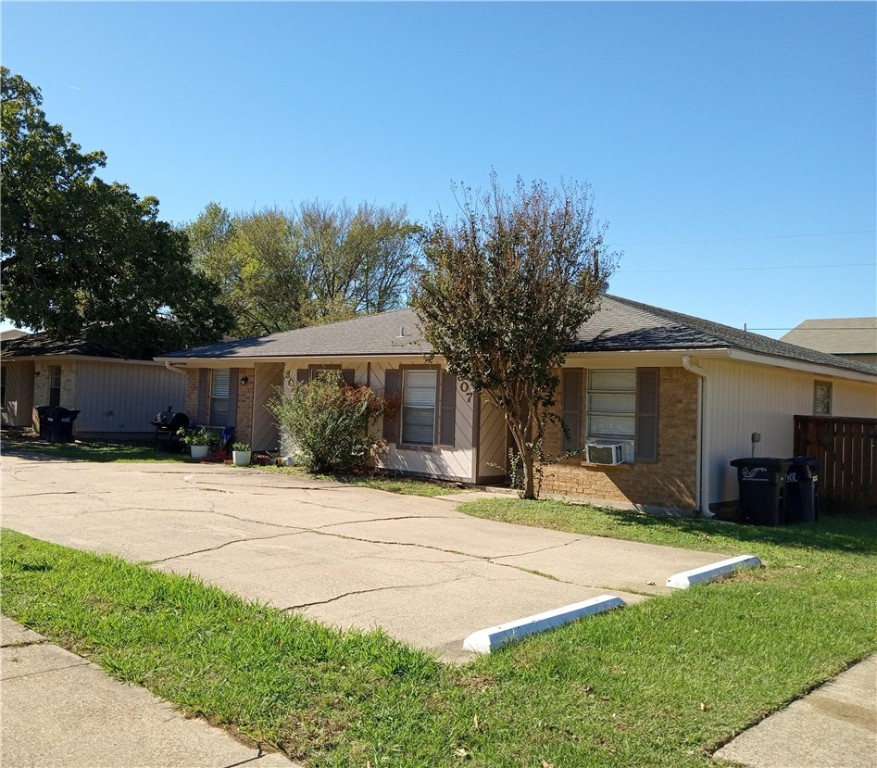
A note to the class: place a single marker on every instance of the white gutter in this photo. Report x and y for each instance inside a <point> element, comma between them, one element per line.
<point>803,366</point>
<point>170,367</point>
<point>702,434</point>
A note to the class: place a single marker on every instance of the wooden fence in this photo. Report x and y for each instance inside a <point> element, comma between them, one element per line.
<point>847,453</point>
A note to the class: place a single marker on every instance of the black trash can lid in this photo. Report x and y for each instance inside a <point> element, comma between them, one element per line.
<point>771,463</point>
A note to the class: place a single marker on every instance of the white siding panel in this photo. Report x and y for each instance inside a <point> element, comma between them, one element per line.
<point>266,436</point>
<point>124,397</point>
<point>18,408</point>
<point>452,463</point>
<point>743,398</point>
<point>850,398</point>
<point>492,457</point>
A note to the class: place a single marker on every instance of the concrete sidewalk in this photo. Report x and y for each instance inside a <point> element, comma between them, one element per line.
<point>59,709</point>
<point>835,726</point>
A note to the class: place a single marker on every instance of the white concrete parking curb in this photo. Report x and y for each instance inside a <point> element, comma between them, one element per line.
<point>712,572</point>
<point>487,640</point>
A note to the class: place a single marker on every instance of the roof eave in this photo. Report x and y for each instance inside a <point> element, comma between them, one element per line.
<point>238,360</point>
<point>803,366</point>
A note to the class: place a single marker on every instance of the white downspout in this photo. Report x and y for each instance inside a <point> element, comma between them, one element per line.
<point>702,435</point>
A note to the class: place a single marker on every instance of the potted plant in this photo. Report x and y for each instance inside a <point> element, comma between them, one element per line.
<point>199,440</point>
<point>241,454</point>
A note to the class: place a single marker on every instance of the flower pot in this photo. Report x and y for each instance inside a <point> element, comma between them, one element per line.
<point>199,451</point>
<point>241,458</point>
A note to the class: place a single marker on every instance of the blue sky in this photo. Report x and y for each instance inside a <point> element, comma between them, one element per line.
<point>732,147</point>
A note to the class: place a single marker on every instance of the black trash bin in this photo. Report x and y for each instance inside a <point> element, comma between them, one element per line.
<point>801,493</point>
<point>762,490</point>
<point>56,423</point>
<point>43,412</point>
<point>63,432</point>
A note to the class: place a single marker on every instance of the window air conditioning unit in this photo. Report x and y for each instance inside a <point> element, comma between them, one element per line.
<point>605,453</point>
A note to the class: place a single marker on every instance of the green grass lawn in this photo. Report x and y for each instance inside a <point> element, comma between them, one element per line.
<point>88,450</point>
<point>410,486</point>
<point>661,683</point>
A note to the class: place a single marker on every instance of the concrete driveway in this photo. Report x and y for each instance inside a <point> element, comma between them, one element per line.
<point>343,555</point>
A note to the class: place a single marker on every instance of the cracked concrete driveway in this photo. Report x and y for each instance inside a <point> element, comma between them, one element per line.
<point>343,555</point>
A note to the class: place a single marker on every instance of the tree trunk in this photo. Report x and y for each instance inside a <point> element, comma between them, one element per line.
<point>521,433</point>
<point>529,491</point>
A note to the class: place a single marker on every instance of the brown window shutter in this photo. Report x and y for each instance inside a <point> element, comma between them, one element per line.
<point>302,375</point>
<point>232,396</point>
<point>448,405</point>
<point>203,394</point>
<point>647,384</point>
<point>572,408</point>
<point>392,391</point>
<point>348,375</point>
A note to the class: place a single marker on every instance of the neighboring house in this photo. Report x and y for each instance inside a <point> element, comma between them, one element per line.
<point>673,398</point>
<point>854,338</point>
<point>116,397</point>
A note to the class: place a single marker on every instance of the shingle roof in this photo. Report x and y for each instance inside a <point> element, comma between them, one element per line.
<point>837,336</point>
<point>619,325</point>
<point>372,335</point>
<point>624,325</point>
<point>39,344</point>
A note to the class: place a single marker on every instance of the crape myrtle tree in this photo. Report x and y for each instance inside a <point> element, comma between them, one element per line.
<point>504,289</point>
<point>84,258</point>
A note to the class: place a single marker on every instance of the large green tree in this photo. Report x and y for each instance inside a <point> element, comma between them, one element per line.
<point>81,257</point>
<point>355,261</point>
<point>504,289</point>
<point>317,263</point>
<point>254,258</point>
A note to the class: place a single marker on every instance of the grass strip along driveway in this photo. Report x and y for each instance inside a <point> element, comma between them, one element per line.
<point>661,683</point>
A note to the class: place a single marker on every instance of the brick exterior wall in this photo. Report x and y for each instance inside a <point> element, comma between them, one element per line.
<point>192,393</point>
<point>243,430</point>
<point>40,387</point>
<point>671,482</point>
<point>68,382</point>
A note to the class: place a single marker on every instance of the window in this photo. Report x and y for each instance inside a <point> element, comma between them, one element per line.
<point>427,407</point>
<point>612,404</point>
<point>822,398</point>
<point>621,406</point>
<point>219,383</point>
<point>55,385</point>
<point>2,387</point>
<point>418,406</point>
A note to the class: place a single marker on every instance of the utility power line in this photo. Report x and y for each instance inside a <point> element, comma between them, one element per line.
<point>742,239</point>
<point>623,271</point>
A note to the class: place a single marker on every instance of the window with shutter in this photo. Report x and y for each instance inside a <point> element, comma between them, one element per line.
<point>219,388</point>
<point>622,406</point>
<point>55,385</point>
<point>418,406</point>
<point>612,404</point>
